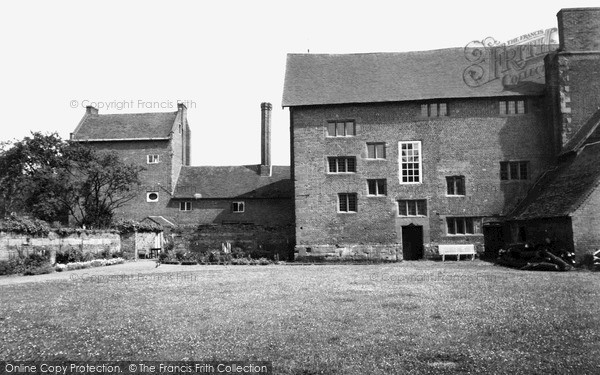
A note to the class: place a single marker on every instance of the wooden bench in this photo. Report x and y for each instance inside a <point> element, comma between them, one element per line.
<point>458,250</point>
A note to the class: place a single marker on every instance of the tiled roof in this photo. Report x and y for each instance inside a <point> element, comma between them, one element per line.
<point>316,79</point>
<point>233,182</point>
<point>563,189</point>
<point>125,126</point>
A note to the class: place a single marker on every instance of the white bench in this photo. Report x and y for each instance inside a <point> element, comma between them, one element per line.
<point>458,250</point>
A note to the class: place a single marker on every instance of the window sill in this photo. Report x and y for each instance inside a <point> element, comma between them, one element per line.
<point>455,196</point>
<point>376,195</point>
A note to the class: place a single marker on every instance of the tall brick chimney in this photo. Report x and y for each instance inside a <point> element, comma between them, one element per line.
<point>579,29</point>
<point>265,136</point>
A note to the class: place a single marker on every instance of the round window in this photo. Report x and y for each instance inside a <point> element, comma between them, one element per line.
<point>152,196</point>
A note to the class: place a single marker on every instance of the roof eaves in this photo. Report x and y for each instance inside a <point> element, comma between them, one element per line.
<point>121,139</point>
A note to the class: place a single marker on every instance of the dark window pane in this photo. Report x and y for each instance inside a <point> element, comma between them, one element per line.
<point>504,170</point>
<point>343,202</point>
<point>351,164</point>
<point>332,165</point>
<point>372,184</point>
<point>341,165</point>
<point>451,225</point>
<point>523,170</point>
<point>460,225</point>
<point>421,208</point>
<point>412,208</point>
<point>381,187</point>
<point>469,225</point>
<point>450,185</point>
<point>514,170</point>
<point>402,209</point>
<point>460,185</point>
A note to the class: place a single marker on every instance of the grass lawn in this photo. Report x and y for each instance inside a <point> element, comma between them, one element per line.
<point>411,317</point>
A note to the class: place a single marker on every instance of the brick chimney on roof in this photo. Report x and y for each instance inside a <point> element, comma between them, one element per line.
<point>90,110</point>
<point>265,135</point>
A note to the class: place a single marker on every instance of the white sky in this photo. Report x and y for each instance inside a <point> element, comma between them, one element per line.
<point>224,58</point>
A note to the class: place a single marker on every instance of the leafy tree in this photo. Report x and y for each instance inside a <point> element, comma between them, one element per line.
<point>52,179</point>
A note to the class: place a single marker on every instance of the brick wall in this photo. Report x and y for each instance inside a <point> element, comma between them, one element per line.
<point>155,177</point>
<point>95,242</point>
<point>586,225</point>
<point>269,212</point>
<point>470,142</point>
<point>579,29</point>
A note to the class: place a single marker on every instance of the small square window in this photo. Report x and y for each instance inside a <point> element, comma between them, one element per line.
<point>455,185</point>
<point>153,159</point>
<point>185,206</point>
<point>376,150</point>
<point>347,202</point>
<point>238,207</point>
<point>514,170</point>
<point>152,196</point>
<point>376,187</point>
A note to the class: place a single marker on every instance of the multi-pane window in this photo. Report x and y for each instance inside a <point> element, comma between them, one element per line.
<point>512,107</point>
<point>410,162</point>
<point>185,206</point>
<point>347,202</point>
<point>376,150</point>
<point>455,185</point>
<point>377,186</point>
<point>412,207</point>
<point>514,170</point>
<point>463,225</point>
<point>341,128</point>
<point>238,207</point>
<point>153,159</point>
<point>342,164</point>
<point>434,109</point>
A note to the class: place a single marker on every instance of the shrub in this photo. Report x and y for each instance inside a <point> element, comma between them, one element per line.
<point>189,262</point>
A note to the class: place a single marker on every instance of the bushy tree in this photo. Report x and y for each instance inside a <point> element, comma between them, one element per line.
<point>51,179</point>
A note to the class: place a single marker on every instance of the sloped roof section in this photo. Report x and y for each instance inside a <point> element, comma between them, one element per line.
<point>563,189</point>
<point>233,182</point>
<point>317,79</point>
<point>125,126</point>
<point>589,133</point>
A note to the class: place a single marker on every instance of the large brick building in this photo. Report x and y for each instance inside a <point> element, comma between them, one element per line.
<point>395,154</point>
<point>174,193</point>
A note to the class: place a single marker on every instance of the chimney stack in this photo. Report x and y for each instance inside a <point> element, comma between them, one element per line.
<point>265,135</point>
<point>91,110</point>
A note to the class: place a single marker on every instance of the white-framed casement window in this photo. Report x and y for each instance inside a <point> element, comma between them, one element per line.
<point>412,207</point>
<point>153,159</point>
<point>514,170</point>
<point>455,185</point>
<point>462,226</point>
<point>347,202</point>
<point>152,196</point>
<point>238,207</point>
<point>434,109</point>
<point>512,107</point>
<point>376,187</point>
<point>185,206</point>
<point>341,164</point>
<point>376,150</point>
<point>410,162</point>
<point>346,128</point>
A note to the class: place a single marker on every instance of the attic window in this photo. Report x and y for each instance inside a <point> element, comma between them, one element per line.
<point>153,159</point>
<point>514,170</point>
<point>185,206</point>
<point>512,107</point>
<point>237,207</point>
<point>434,109</point>
<point>152,196</point>
<point>341,129</point>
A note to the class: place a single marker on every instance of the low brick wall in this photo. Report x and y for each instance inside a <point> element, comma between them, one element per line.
<point>275,240</point>
<point>11,244</point>
<point>390,252</point>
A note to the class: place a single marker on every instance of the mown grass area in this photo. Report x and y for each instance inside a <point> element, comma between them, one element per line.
<point>411,317</point>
